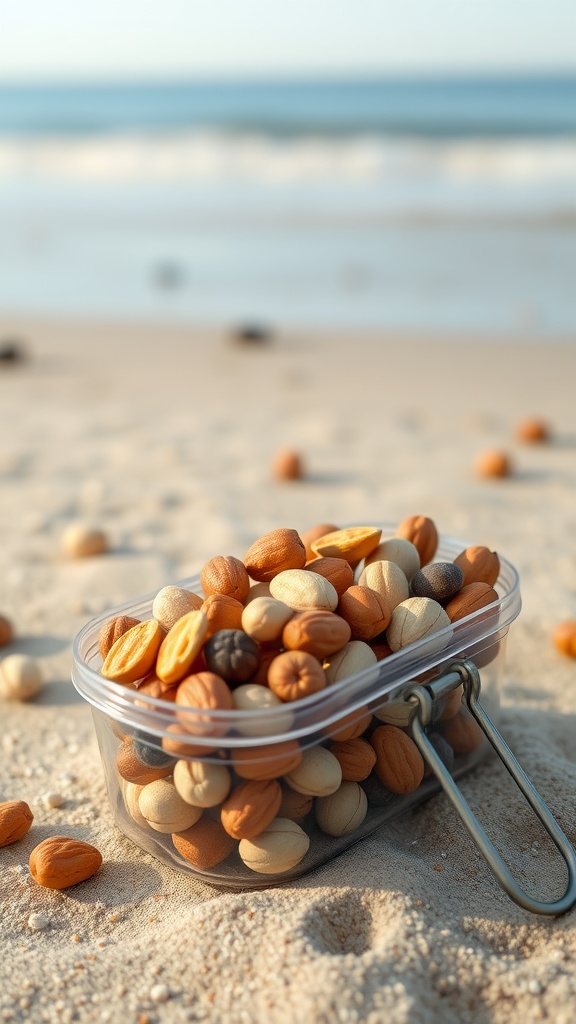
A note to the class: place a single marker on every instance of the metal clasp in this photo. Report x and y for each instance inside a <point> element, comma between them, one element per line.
<point>421,697</point>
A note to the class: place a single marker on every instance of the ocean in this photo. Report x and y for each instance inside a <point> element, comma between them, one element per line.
<point>412,203</point>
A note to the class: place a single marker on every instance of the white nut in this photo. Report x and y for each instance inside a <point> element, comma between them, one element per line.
<point>254,698</point>
<point>355,657</point>
<point>20,677</point>
<point>82,540</point>
<point>304,590</point>
<point>318,774</point>
<point>388,580</point>
<point>398,550</point>
<point>171,603</point>
<point>164,808</point>
<point>280,847</point>
<point>416,618</point>
<point>264,619</point>
<point>131,796</point>
<point>343,811</point>
<point>201,783</point>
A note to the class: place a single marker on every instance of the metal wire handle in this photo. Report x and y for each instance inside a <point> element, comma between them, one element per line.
<point>422,698</point>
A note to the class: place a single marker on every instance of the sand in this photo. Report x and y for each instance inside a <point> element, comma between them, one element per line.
<point>164,439</point>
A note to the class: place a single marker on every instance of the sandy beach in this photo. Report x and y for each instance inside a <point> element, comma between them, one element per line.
<point>164,439</point>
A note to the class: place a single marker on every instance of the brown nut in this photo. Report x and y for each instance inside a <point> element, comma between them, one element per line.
<point>320,633</point>
<point>399,763</point>
<point>479,565</point>
<point>250,808</point>
<point>470,599</point>
<point>492,463</point>
<point>313,534</point>
<point>6,631</point>
<point>294,806</point>
<point>15,821</point>
<point>151,686</point>
<point>58,862</point>
<point>350,726</point>
<point>269,761</point>
<point>273,553</point>
<point>422,533</point>
<point>337,571</point>
<point>133,654</point>
<point>287,465</point>
<point>113,629</point>
<point>532,431</point>
<point>227,575</point>
<point>203,691</point>
<point>173,744</point>
<point>222,612</point>
<point>205,844</point>
<point>133,769</point>
<point>366,612</point>
<point>295,674</point>
<point>462,732</point>
<point>353,543</point>
<point>564,638</point>
<point>357,758</point>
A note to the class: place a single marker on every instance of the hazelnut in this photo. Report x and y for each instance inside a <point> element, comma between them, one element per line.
<point>6,631</point>
<point>532,431</point>
<point>287,465</point>
<point>80,540</point>
<point>564,637</point>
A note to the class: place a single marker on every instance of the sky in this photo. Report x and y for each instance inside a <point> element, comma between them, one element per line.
<point>68,39</point>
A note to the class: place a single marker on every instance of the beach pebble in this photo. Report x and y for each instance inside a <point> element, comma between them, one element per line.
<point>38,922</point>
<point>82,540</point>
<point>20,677</point>
<point>53,799</point>
<point>159,993</point>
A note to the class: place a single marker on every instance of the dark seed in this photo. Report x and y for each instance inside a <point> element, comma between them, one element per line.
<point>233,655</point>
<point>152,756</point>
<point>443,749</point>
<point>439,581</point>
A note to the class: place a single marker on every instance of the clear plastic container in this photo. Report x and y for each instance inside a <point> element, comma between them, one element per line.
<point>127,720</point>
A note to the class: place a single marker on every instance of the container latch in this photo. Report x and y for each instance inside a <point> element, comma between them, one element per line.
<point>421,697</point>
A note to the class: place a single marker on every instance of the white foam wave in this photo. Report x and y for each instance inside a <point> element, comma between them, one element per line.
<point>210,156</point>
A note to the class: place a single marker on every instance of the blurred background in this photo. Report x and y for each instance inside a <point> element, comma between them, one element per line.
<point>375,165</point>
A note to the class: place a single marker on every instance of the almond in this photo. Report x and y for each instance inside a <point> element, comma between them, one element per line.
<point>250,808</point>
<point>366,612</point>
<point>273,553</point>
<point>356,757</point>
<point>113,629</point>
<point>422,533</point>
<point>302,589</point>
<point>479,565</point>
<point>295,674</point>
<point>225,574</point>
<point>320,530</point>
<point>58,862</point>
<point>222,612</point>
<point>320,633</point>
<point>15,821</point>
<point>269,761</point>
<point>352,544</point>
<point>205,844</point>
<point>181,645</point>
<point>337,571</point>
<point>133,654</point>
<point>399,763</point>
<point>203,691</point>
<point>470,599</point>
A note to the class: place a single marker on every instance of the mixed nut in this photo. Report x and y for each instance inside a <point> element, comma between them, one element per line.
<point>294,617</point>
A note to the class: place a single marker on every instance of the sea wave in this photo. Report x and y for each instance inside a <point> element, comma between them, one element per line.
<point>209,156</point>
